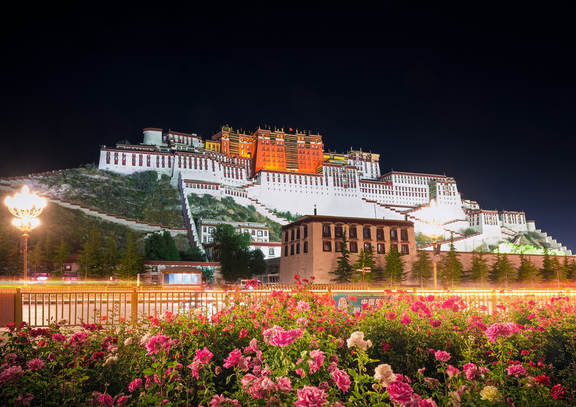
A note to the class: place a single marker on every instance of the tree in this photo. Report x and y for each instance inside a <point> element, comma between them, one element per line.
<point>394,269</point>
<point>193,254</point>
<point>547,272</point>
<point>161,247</point>
<point>571,271</point>
<point>232,252</point>
<point>422,268</point>
<point>10,257</point>
<point>61,254</point>
<point>506,270</point>
<point>527,271</point>
<point>131,262</point>
<point>111,256</point>
<point>450,267</point>
<point>91,256</point>
<point>478,268</point>
<point>502,270</point>
<point>366,259</point>
<point>257,264</point>
<point>344,270</point>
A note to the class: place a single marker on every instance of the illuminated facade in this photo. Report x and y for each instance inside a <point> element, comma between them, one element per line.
<point>274,170</point>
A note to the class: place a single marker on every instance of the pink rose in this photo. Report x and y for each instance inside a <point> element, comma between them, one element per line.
<point>400,392</point>
<point>442,356</point>
<point>311,396</point>
<point>342,379</point>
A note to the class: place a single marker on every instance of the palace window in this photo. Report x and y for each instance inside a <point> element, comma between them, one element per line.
<point>298,234</point>
<point>352,232</point>
<point>305,231</point>
<point>380,234</point>
<point>326,231</point>
<point>286,236</point>
<point>405,249</point>
<point>327,246</point>
<point>291,250</point>
<point>380,249</point>
<point>353,247</point>
<point>292,234</point>
<point>305,248</point>
<point>404,235</point>
<point>366,232</point>
<point>338,246</point>
<point>367,246</point>
<point>285,250</point>
<point>297,248</point>
<point>393,234</point>
<point>338,231</point>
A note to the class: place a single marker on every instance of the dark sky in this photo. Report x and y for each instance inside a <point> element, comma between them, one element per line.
<point>484,94</point>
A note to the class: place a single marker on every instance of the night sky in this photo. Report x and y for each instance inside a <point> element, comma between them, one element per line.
<point>486,94</point>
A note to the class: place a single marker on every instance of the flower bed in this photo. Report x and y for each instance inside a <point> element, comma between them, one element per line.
<point>297,349</point>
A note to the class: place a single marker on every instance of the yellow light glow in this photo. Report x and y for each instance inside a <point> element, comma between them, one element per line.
<point>26,207</point>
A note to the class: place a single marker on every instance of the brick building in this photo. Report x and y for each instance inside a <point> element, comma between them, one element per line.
<point>311,245</point>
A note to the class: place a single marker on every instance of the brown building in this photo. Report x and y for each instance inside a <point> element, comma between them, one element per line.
<point>311,245</point>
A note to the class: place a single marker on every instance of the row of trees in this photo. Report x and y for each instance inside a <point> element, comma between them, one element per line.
<point>450,271</point>
<point>501,271</point>
<point>365,268</point>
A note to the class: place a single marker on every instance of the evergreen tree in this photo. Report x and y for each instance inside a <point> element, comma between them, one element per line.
<point>344,271</point>
<point>111,257</point>
<point>450,267</point>
<point>394,269</point>
<point>61,254</point>
<point>506,270</point>
<point>494,274</point>
<point>527,271</point>
<point>9,252</point>
<point>193,254</point>
<point>48,252</point>
<point>479,268</point>
<point>233,252</point>
<point>91,256</point>
<point>571,271</point>
<point>257,263</point>
<point>422,268</point>
<point>558,270</point>
<point>161,247</point>
<point>131,262</point>
<point>547,272</point>
<point>365,259</point>
<point>36,258</point>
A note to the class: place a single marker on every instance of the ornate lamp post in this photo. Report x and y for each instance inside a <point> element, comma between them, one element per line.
<point>26,208</point>
<point>435,234</point>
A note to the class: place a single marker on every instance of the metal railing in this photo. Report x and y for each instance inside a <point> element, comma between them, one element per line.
<point>77,307</point>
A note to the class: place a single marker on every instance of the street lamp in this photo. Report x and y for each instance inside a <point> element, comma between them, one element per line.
<point>26,208</point>
<point>435,233</point>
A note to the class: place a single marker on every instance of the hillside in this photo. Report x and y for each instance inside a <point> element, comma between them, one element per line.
<point>141,196</point>
<point>208,207</point>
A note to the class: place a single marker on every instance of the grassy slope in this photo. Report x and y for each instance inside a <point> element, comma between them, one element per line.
<point>208,207</point>
<point>141,196</point>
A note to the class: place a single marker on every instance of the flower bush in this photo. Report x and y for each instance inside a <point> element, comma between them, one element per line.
<point>298,349</point>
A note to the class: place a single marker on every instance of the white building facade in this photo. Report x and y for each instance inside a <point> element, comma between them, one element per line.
<point>345,185</point>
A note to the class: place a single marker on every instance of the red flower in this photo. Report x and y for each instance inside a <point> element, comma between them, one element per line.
<point>558,392</point>
<point>543,380</point>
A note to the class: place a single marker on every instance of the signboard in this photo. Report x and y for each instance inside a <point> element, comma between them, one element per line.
<point>355,300</point>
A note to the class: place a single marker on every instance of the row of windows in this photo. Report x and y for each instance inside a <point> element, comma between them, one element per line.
<point>353,247</point>
<point>297,234</point>
<point>295,249</point>
<point>366,232</point>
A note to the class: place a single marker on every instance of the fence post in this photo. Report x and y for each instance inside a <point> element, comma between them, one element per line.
<point>134,307</point>
<point>18,307</point>
<point>494,300</point>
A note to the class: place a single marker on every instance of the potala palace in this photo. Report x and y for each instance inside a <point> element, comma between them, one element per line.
<point>274,170</point>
